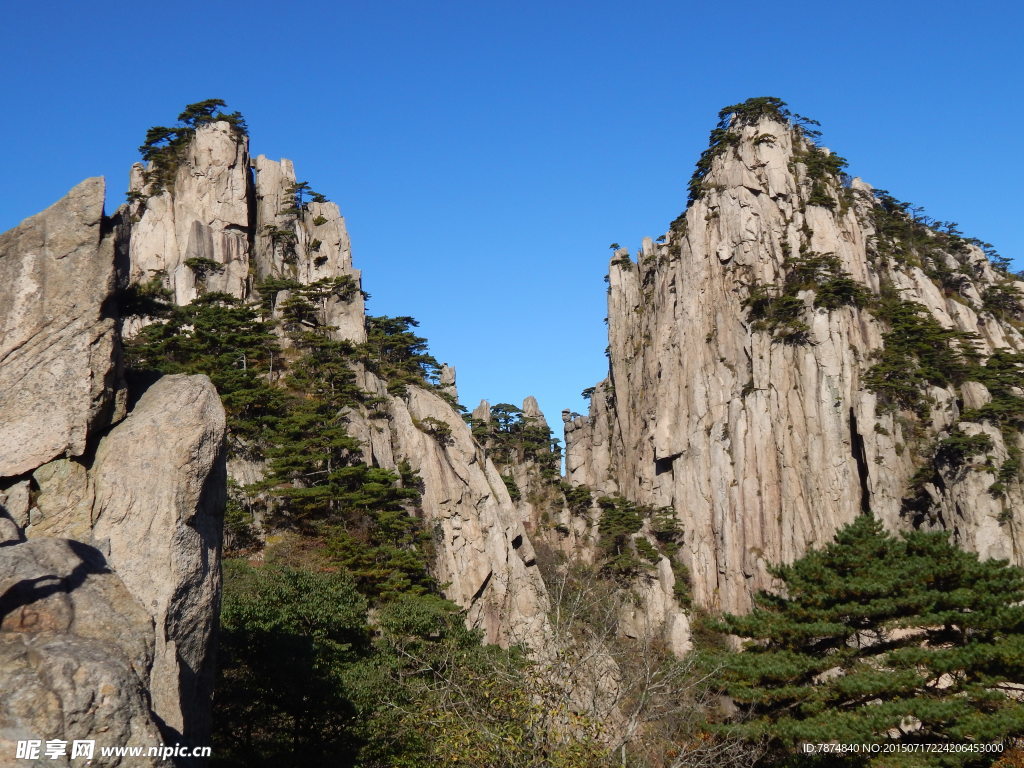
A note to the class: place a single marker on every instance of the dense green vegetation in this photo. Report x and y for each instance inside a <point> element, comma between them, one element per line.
<point>632,539</point>
<point>918,353</point>
<point>397,355</point>
<point>878,639</point>
<point>296,199</point>
<point>825,171</point>
<point>219,336</point>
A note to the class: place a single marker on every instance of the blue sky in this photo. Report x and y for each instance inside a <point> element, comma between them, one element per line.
<point>485,154</point>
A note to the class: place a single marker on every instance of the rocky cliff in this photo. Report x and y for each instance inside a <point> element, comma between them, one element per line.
<point>110,509</point>
<point>112,491</point>
<point>799,349</point>
<point>223,222</point>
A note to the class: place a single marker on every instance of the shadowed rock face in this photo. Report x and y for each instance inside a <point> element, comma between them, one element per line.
<point>99,648</point>
<point>765,448</point>
<point>75,650</point>
<point>58,353</point>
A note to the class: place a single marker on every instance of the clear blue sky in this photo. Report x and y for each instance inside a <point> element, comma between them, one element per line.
<point>486,153</point>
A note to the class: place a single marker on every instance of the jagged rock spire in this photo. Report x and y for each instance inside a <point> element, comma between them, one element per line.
<point>764,445</point>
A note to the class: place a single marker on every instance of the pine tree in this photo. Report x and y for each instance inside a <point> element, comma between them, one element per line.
<point>879,639</point>
<point>217,335</point>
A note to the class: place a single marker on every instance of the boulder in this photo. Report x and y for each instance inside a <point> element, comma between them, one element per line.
<point>75,651</point>
<point>58,352</point>
<point>159,482</point>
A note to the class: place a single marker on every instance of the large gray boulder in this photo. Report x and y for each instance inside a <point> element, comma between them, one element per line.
<point>75,651</point>
<point>57,341</point>
<point>147,496</point>
<point>159,481</point>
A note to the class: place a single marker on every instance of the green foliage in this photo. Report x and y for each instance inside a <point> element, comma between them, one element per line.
<point>397,355</point>
<point>665,526</point>
<point>778,309</point>
<point>209,111</point>
<point>512,486</point>
<point>724,135</point>
<point>918,352</point>
<point>1004,301</point>
<point>781,314</point>
<point>509,438</point>
<point>626,552</point>
<point>437,429</point>
<point>203,268</point>
<point>315,467</point>
<point>283,239</point>
<point>824,170</point>
<point>164,147</point>
<point>956,449</point>
<point>577,497</point>
<point>905,234</point>
<point>305,307</point>
<point>877,639</point>
<point>1003,375</point>
<point>148,299</point>
<point>647,551</point>
<point>219,336</point>
<point>385,548</point>
<point>240,533</point>
<point>287,637</point>
<point>464,704</point>
<point>620,520</point>
<point>296,198</point>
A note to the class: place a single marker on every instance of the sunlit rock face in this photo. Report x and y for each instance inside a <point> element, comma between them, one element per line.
<point>764,448</point>
<point>110,514</point>
<point>240,214</point>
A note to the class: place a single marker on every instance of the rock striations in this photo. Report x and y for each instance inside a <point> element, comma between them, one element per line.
<point>231,224</point>
<point>797,350</point>
<point>110,516</point>
<point>773,374</point>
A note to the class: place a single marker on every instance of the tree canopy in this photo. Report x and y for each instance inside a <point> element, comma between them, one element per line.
<point>882,639</point>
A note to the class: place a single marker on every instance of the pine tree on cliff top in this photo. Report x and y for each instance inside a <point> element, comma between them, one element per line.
<point>879,639</point>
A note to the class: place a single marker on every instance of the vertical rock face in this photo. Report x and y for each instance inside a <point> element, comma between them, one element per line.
<point>317,247</point>
<point>113,648</point>
<point>484,554</point>
<point>203,215</point>
<point>157,513</point>
<point>58,360</point>
<point>764,444</point>
<point>227,223</point>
